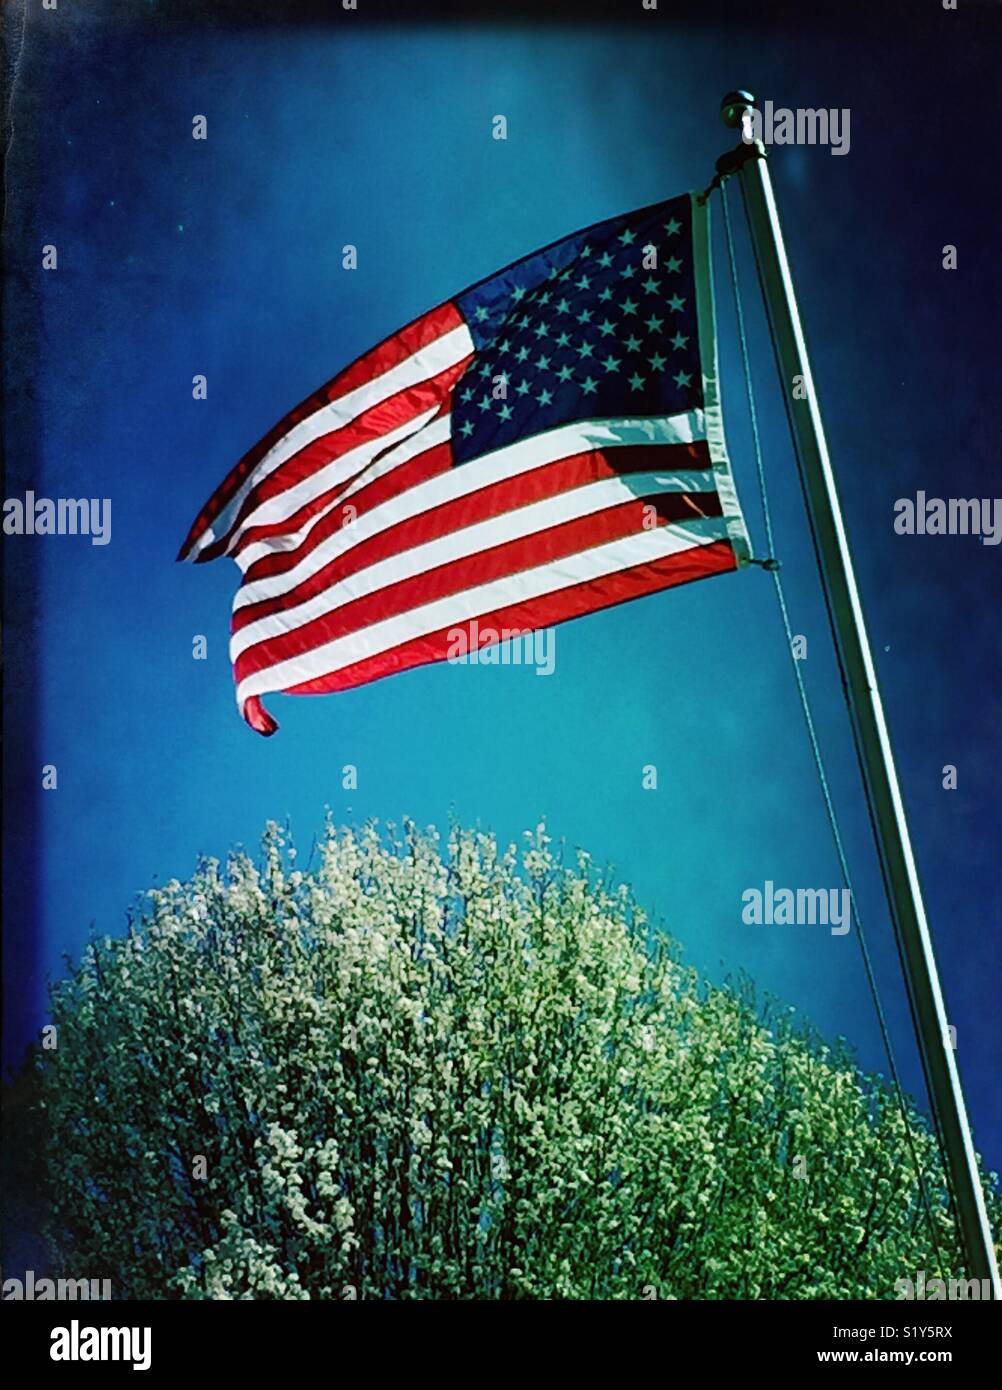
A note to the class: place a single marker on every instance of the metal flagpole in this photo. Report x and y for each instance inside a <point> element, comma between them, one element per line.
<point>873,746</point>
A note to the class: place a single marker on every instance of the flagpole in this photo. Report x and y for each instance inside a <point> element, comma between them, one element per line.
<point>873,746</point>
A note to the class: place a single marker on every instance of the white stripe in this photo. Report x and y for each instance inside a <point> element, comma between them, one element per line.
<point>508,462</point>
<point>324,480</point>
<point>436,432</point>
<point>584,566</point>
<point>469,540</point>
<point>427,362</point>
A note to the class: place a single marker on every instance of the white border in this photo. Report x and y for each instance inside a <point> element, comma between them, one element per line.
<point>706,321</point>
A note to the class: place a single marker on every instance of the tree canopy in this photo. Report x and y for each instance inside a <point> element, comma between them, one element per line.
<point>411,1070</point>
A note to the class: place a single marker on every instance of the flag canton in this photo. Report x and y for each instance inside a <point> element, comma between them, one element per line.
<point>600,325</point>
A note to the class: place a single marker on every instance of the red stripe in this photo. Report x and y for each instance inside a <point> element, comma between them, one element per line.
<point>373,425</point>
<point>544,611</point>
<point>549,480</point>
<point>419,469</point>
<point>498,562</point>
<point>388,354</point>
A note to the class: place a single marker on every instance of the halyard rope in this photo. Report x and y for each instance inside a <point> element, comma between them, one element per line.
<point>773,567</point>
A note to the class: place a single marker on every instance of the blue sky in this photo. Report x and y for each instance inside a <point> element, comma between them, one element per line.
<point>223,257</point>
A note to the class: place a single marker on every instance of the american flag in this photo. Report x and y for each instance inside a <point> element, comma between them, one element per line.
<point>544,445</point>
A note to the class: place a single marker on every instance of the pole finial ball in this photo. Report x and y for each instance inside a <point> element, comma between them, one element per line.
<point>733,107</point>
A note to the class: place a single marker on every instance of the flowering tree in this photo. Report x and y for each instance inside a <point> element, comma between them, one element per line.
<point>477,1074</point>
